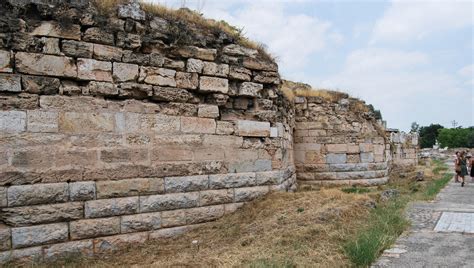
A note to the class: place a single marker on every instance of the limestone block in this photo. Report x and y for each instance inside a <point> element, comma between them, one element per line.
<point>10,83</point>
<point>196,52</point>
<point>42,121</point>
<point>215,197</point>
<point>50,46</point>
<point>353,149</point>
<point>187,80</point>
<point>209,111</point>
<point>40,85</point>
<point>255,64</point>
<point>29,215</point>
<point>308,125</point>
<point>336,148</point>
<point>186,184</point>
<point>39,235</point>
<point>366,157</point>
<point>208,154</point>
<point>141,222</point>
<point>157,76</point>
<point>123,155</point>
<point>54,29</point>
<point>27,255</point>
<point>128,40</point>
<point>250,89</point>
<point>173,218</point>
<point>3,197</point>
<point>239,73</point>
<point>249,128</point>
<point>33,159</point>
<point>94,227</point>
<point>213,84</point>
<point>198,125</point>
<point>171,94</point>
<point>154,203</point>
<point>69,88</point>
<point>113,243</point>
<point>349,167</point>
<point>204,214</point>
<point>194,66</point>
<point>68,249</point>
<point>231,180</point>
<point>5,238</point>
<point>222,141</point>
<point>366,147</point>
<point>269,177</point>
<point>251,193</point>
<point>237,50</point>
<point>82,190</point>
<point>12,121</point>
<point>174,64</point>
<point>214,69</point>
<point>225,128</point>
<point>98,35</point>
<point>40,64</point>
<point>273,132</point>
<point>166,124</point>
<point>89,69</point>
<point>72,122</point>
<point>131,10</point>
<point>23,195</point>
<point>124,72</point>
<point>102,89</point>
<point>251,166</point>
<point>267,78</point>
<point>129,187</point>
<point>77,49</point>
<point>107,53</point>
<point>336,158</point>
<point>111,207</point>
<point>5,61</point>
<point>135,90</point>
<point>379,149</point>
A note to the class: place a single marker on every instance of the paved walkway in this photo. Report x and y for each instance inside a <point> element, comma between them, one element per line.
<point>442,232</point>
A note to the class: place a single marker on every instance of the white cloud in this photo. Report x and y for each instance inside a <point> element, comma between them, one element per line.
<point>414,20</point>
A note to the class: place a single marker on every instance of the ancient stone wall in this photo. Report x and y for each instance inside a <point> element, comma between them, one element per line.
<point>127,127</point>
<point>338,141</point>
<point>404,150</point>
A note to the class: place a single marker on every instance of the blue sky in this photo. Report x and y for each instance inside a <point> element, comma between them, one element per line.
<point>413,60</point>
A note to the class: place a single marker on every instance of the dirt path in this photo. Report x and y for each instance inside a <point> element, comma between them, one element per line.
<point>442,232</point>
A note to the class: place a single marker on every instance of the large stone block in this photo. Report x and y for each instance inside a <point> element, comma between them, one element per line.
<point>39,235</point>
<point>12,121</point>
<point>10,83</point>
<point>50,45</point>
<point>129,187</point>
<point>111,207</point>
<point>208,154</point>
<point>367,157</point>
<point>42,121</point>
<point>98,35</point>
<point>26,255</point>
<point>336,158</point>
<point>77,49</point>
<point>187,80</point>
<point>54,29</point>
<point>5,238</point>
<point>72,122</point>
<point>258,165</point>
<point>131,11</point>
<point>225,128</point>
<point>171,232</point>
<point>250,89</point>
<point>154,203</point>
<point>29,215</point>
<point>5,62</point>
<point>40,64</point>
<point>94,227</point>
<point>141,222</point>
<point>213,84</point>
<point>237,50</point>
<point>269,177</point>
<point>198,125</point>
<point>89,69</point>
<point>124,155</point>
<point>96,88</point>
<point>231,180</point>
<point>186,184</point>
<point>129,40</point>
<point>214,69</point>
<point>107,53</point>
<point>194,66</point>
<point>215,197</point>
<point>33,159</point>
<point>209,111</point>
<point>171,154</point>
<point>82,190</point>
<point>253,128</point>
<point>251,193</point>
<point>124,72</point>
<point>157,76</point>
<point>113,243</point>
<point>197,52</point>
<point>267,78</point>
<point>68,250</point>
<point>336,148</point>
<point>261,65</point>
<point>171,94</point>
<point>23,195</point>
<point>240,73</point>
<point>135,90</point>
<point>204,214</point>
<point>40,85</point>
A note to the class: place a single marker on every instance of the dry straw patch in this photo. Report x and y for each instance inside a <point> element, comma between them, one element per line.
<point>283,229</point>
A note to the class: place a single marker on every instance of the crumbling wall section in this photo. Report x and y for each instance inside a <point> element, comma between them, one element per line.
<point>404,150</point>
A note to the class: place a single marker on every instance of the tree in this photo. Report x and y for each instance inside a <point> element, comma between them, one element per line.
<point>428,135</point>
<point>415,127</point>
<point>456,137</point>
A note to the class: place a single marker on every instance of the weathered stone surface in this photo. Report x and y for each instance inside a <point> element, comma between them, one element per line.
<point>102,89</point>
<point>198,125</point>
<point>111,207</point>
<point>128,40</point>
<point>10,83</point>
<point>267,78</point>
<point>26,255</point>
<point>89,69</point>
<point>255,64</point>
<point>215,197</point>
<point>5,238</point>
<point>204,214</point>
<point>174,64</point>
<point>124,155</point>
<point>154,203</point>
<point>5,62</point>
<point>42,121</point>
<point>94,227</point>
<point>171,154</point>
<point>130,187</point>
<point>173,218</point>
<point>225,128</point>
<point>68,249</point>
<point>239,73</point>
<point>249,194</point>
<point>237,50</point>
<point>86,122</point>
<point>39,235</point>
<point>209,111</point>
<point>194,66</point>
<point>39,64</point>
<point>158,76</point>
<point>3,196</point>
<point>29,215</point>
<point>186,184</point>
<point>82,190</point>
<point>135,90</point>
<point>171,94</point>
<point>104,52</point>
<point>40,85</point>
<point>214,69</point>
<point>98,35</point>
<point>252,128</point>
<point>170,232</point>
<point>113,243</point>
<point>124,72</point>
<point>269,177</point>
<point>77,49</point>
<point>258,165</point>
<point>132,11</point>
<point>222,181</point>
<point>141,222</point>
<point>70,88</point>
<point>250,89</point>
<point>213,84</point>
<point>187,80</point>
<point>51,46</point>
<point>196,52</point>
<point>366,157</point>
<point>53,29</point>
<point>22,195</point>
<point>336,158</point>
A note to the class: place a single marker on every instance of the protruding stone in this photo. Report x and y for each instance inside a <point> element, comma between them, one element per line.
<point>132,11</point>
<point>39,64</point>
<point>128,40</point>
<point>250,89</point>
<point>135,90</point>
<point>267,78</point>
<point>129,187</point>
<point>213,84</point>
<point>53,29</point>
<point>89,69</point>
<point>51,46</point>
<point>237,50</point>
<point>141,222</point>
<point>262,65</point>
<point>10,83</point>
<point>223,181</point>
<point>77,49</point>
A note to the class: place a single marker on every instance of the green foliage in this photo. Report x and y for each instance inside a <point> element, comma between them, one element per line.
<point>429,134</point>
<point>355,190</point>
<point>415,127</point>
<point>434,187</point>
<point>456,137</point>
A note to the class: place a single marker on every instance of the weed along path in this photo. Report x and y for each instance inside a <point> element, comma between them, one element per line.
<point>441,235</point>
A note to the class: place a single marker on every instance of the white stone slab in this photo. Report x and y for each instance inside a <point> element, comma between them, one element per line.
<point>456,222</point>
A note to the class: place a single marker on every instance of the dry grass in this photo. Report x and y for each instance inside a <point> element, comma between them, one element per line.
<point>292,89</point>
<point>284,229</point>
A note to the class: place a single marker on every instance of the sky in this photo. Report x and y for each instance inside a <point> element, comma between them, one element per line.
<point>413,60</point>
